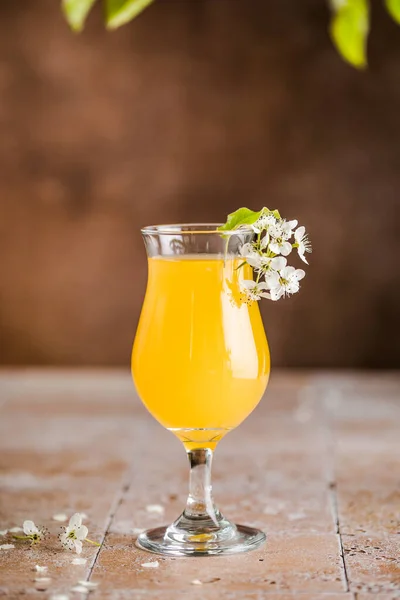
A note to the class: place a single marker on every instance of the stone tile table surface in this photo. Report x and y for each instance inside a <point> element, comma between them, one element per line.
<point>316,466</point>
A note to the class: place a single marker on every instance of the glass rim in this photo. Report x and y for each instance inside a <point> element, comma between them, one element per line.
<point>193,228</point>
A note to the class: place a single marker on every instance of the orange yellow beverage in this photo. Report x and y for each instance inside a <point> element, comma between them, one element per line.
<point>200,360</point>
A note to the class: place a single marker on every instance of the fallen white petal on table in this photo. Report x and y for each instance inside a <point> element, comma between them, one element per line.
<point>151,565</point>
<point>90,585</point>
<point>155,508</point>
<point>296,516</point>
<point>40,569</point>
<point>6,546</point>
<point>137,530</point>
<point>79,561</point>
<point>80,588</point>
<point>61,517</point>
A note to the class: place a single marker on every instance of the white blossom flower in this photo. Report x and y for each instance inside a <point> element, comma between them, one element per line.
<point>304,244</point>
<point>260,261</point>
<point>74,534</point>
<point>33,533</point>
<point>252,290</point>
<point>285,282</point>
<point>280,233</point>
<point>264,223</point>
<point>268,264</point>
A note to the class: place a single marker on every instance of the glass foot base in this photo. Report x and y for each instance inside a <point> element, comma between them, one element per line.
<point>171,542</point>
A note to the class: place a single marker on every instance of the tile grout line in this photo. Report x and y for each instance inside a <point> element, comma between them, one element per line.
<point>335,513</point>
<point>331,480</point>
<point>125,486</point>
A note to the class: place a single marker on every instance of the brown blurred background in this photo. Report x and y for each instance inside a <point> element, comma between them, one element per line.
<point>194,109</point>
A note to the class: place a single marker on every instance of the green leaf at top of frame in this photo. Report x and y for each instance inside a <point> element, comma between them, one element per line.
<point>119,12</point>
<point>76,12</point>
<point>246,216</point>
<point>349,30</point>
<point>393,8</point>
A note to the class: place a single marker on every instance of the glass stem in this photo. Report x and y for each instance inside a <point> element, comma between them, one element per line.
<point>200,504</point>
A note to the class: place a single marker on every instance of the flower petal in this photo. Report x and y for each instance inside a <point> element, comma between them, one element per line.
<point>254,261</point>
<point>278,263</point>
<point>29,528</point>
<point>60,517</point>
<point>79,561</point>
<point>292,287</point>
<point>299,233</point>
<point>300,274</point>
<point>75,521</point>
<point>90,585</point>
<point>300,251</point>
<point>40,569</point>
<point>265,241</point>
<point>287,272</point>
<point>277,292</point>
<point>78,546</point>
<point>66,541</point>
<point>247,249</point>
<point>80,588</point>
<point>6,546</point>
<point>286,248</point>
<point>275,247</point>
<point>155,508</point>
<point>248,284</point>
<point>151,565</point>
<point>272,279</point>
<point>81,532</point>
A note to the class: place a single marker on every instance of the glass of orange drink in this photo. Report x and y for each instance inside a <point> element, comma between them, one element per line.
<point>200,364</point>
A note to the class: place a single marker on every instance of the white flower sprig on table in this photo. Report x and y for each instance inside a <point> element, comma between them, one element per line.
<point>74,534</point>
<point>274,240</point>
<point>32,533</point>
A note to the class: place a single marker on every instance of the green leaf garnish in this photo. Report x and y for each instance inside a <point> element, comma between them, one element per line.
<point>349,30</point>
<point>76,12</point>
<point>119,12</point>
<point>241,216</point>
<point>393,8</point>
